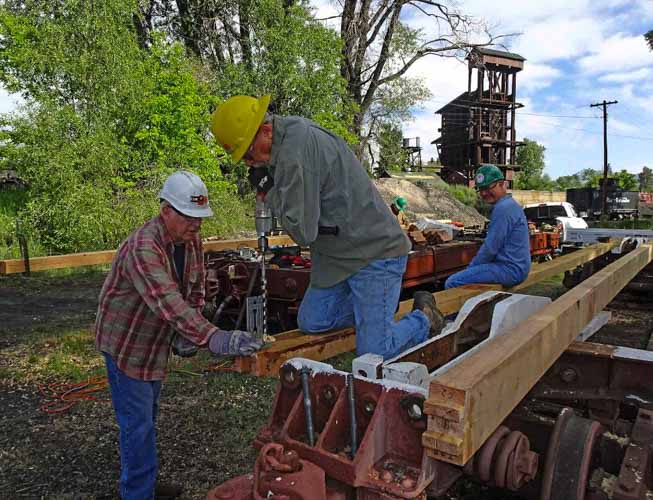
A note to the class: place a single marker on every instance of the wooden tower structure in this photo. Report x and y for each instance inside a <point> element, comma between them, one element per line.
<point>478,126</point>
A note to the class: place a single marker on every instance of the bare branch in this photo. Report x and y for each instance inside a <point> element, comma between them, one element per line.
<point>339,16</point>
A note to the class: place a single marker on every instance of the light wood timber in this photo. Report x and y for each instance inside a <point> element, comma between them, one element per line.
<point>12,266</point>
<point>469,401</point>
<point>544,270</point>
<point>293,343</point>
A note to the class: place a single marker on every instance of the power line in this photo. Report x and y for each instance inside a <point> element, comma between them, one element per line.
<point>475,104</point>
<point>464,121</point>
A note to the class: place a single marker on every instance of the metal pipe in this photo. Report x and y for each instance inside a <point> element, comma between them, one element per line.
<point>352,414</point>
<point>228,300</point>
<point>308,406</point>
<point>250,288</point>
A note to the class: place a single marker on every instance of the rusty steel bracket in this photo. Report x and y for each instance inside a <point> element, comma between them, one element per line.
<point>635,479</point>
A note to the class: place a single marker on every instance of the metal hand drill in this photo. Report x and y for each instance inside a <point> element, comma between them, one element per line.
<point>263,222</point>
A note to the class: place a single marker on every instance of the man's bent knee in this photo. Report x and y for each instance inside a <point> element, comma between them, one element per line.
<point>311,323</point>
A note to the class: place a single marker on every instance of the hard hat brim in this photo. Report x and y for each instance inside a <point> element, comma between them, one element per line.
<point>263,103</point>
<point>202,212</point>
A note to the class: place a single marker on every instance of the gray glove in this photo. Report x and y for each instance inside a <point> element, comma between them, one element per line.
<point>233,343</point>
<point>183,347</point>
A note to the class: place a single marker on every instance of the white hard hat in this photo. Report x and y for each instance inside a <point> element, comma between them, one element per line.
<point>187,193</point>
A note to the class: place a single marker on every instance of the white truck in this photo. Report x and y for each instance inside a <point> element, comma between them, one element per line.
<point>560,214</point>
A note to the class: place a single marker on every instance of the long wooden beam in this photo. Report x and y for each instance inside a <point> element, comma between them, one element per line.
<point>12,266</point>
<point>540,272</point>
<point>294,343</point>
<point>326,345</point>
<point>470,400</point>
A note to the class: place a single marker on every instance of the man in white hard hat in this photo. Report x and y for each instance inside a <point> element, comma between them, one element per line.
<point>324,199</point>
<point>150,303</point>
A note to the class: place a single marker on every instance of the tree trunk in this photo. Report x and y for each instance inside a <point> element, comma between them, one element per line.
<point>187,23</point>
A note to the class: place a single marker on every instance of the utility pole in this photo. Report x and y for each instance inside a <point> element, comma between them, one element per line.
<point>604,194</point>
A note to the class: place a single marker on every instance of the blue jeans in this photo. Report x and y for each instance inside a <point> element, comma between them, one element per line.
<point>483,273</point>
<point>136,403</point>
<point>367,300</point>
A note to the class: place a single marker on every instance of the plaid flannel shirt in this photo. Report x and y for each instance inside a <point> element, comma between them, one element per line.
<point>141,303</point>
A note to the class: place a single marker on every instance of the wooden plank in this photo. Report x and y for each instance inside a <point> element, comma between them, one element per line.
<point>12,266</point>
<point>326,345</point>
<point>294,343</point>
<point>212,245</point>
<point>544,270</point>
<point>469,401</point>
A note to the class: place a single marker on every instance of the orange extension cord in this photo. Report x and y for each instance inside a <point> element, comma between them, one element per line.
<point>61,396</point>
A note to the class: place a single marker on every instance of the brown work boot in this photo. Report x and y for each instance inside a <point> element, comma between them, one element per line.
<point>167,491</point>
<point>425,302</point>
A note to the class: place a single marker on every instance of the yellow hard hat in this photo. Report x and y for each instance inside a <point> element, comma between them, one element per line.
<point>235,122</point>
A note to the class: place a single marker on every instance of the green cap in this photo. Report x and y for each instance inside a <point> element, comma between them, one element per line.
<point>400,202</point>
<point>486,175</point>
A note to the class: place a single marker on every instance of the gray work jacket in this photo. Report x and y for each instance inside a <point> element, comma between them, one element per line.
<point>319,182</point>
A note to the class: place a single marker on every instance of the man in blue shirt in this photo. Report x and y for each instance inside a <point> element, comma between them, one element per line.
<point>505,255</point>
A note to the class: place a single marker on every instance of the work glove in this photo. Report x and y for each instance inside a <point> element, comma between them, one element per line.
<point>261,179</point>
<point>183,347</point>
<point>233,343</point>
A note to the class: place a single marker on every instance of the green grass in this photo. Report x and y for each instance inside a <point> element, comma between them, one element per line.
<point>463,194</point>
<point>68,356</point>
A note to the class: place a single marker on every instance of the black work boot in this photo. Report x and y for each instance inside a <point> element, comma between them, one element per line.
<point>167,491</point>
<point>425,302</point>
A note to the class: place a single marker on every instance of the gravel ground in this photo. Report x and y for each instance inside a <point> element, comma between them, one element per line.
<point>205,427</point>
<point>432,202</point>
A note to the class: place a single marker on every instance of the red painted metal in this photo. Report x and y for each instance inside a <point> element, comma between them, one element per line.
<point>505,460</point>
<point>636,477</point>
<point>231,278</point>
<point>390,459</point>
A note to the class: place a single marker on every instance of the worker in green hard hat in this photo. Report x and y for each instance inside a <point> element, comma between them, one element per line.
<point>505,255</point>
<point>398,207</point>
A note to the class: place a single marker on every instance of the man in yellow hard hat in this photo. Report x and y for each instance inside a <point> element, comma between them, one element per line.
<point>325,200</point>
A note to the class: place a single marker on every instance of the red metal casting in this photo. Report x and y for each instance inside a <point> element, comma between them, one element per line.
<point>505,460</point>
<point>635,477</point>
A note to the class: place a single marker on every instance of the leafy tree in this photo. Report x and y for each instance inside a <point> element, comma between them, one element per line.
<point>531,158</point>
<point>649,39</point>
<point>392,156</point>
<point>378,48</point>
<point>592,178</point>
<point>646,179</point>
<point>626,180</point>
<point>105,121</point>
<point>565,182</point>
<point>260,47</point>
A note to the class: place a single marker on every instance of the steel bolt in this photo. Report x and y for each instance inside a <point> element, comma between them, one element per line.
<point>568,375</point>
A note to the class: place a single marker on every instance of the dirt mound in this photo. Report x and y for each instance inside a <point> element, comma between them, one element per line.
<point>430,201</point>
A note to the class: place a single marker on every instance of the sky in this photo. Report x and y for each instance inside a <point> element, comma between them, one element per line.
<point>578,52</point>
